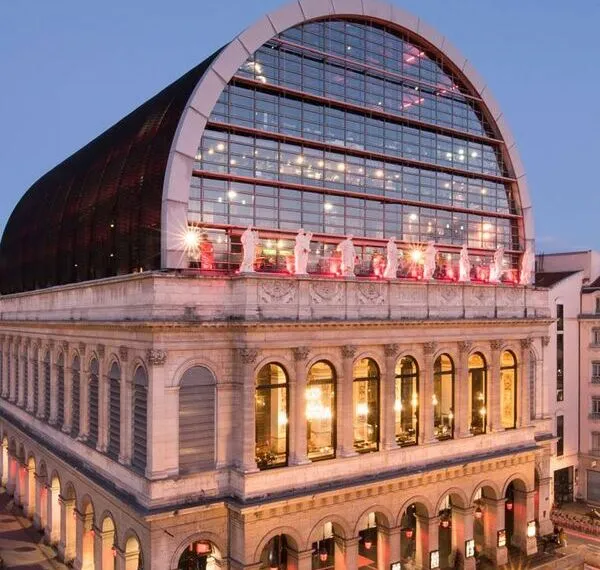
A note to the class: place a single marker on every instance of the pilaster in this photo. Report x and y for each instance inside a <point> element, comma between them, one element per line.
<point>345,412</point>
<point>297,427</point>
<point>462,421</point>
<point>494,388</point>
<point>388,398</point>
<point>524,416</point>
<point>426,405</point>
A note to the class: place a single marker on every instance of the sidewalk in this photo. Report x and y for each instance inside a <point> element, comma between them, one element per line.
<point>20,543</point>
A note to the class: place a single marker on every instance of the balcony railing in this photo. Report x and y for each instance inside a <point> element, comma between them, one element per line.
<point>594,416</point>
<point>595,452</point>
<point>595,379</point>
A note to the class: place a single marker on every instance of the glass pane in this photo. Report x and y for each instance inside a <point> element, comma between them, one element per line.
<point>406,401</point>
<point>320,412</point>
<point>443,397</point>
<point>366,405</point>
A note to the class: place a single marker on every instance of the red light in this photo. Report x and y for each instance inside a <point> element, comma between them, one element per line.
<point>368,544</point>
<point>445,523</point>
<point>203,547</point>
<point>409,532</point>
<point>509,505</point>
<point>114,551</point>
<point>478,513</point>
<point>323,554</point>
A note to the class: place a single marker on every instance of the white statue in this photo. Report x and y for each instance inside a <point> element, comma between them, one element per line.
<point>249,242</point>
<point>391,265</point>
<point>301,251</point>
<point>464,269</point>
<point>429,261</point>
<point>527,275</point>
<point>496,267</point>
<point>346,248</point>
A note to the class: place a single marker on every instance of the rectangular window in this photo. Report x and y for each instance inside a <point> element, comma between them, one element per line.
<point>559,368</point>
<point>596,336</point>
<point>559,317</point>
<point>597,304</point>
<point>595,449</point>
<point>560,434</point>
<point>596,406</point>
<point>595,372</point>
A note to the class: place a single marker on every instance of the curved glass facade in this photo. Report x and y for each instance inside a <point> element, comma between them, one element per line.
<point>346,127</point>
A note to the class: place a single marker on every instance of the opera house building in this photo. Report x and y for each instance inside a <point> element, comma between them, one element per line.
<point>282,316</point>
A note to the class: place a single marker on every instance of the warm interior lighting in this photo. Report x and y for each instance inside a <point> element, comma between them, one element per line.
<point>509,505</point>
<point>416,255</point>
<point>203,547</point>
<point>434,400</point>
<point>220,147</point>
<point>362,409</point>
<point>478,514</point>
<point>409,533</point>
<point>397,406</point>
<point>282,418</point>
<point>323,554</point>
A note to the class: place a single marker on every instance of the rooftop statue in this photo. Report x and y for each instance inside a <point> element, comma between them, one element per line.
<point>527,275</point>
<point>429,261</point>
<point>249,240</point>
<point>464,270</point>
<point>391,266</point>
<point>346,248</point>
<point>496,267</point>
<point>301,251</point>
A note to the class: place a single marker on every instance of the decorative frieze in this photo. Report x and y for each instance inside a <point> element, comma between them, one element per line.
<point>496,344</point>
<point>429,347</point>
<point>349,351</point>
<point>301,353</point>
<point>465,346</point>
<point>526,343</point>
<point>156,357</point>
<point>545,340</point>
<point>123,353</point>
<point>391,350</point>
<point>101,350</point>
<point>247,355</point>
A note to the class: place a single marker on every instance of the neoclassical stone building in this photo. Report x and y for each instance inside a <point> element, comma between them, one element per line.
<point>162,410</point>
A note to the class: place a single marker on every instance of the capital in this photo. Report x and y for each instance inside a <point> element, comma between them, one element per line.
<point>101,349</point>
<point>65,345</point>
<point>465,346</point>
<point>349,350</point>
<point>123,354</point>
<point>82,347</point>
<point>496,344</point>
<point>156,357</point>
<point>391,350</point>
<point>526,343</point>
<point>429,347</point>
<point>545,340</point>
<point>247,355</point>
<point>301,353</point>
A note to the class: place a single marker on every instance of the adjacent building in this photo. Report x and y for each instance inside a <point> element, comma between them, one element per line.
<point>161,409</point>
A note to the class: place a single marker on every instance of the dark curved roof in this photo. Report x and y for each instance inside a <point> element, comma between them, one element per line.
<point>98,213</point>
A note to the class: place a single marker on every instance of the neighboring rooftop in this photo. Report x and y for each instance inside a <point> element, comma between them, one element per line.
<point>549,279</point>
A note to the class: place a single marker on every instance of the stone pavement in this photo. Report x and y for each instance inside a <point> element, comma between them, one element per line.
<point>20,544</point>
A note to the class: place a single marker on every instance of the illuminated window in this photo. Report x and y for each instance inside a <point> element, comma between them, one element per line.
<point>443,397</point>
<point>478,393</point>
<point>75,396</point>
<point>365,405</point>
<point>406,402</point>
<point>320,411</point>
<point>271,403</point>
<point>508,390</point>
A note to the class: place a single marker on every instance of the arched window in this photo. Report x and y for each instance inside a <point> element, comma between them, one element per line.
<point>114,411</point>
<point>47,393</point>
<point>443,397</point>
<point>75,396</point>
<point>508,389</point>
<point>18,377</point>
<point>365,399</point>
<point>140,419</point>
<point>36,380</point>
<point>197,420</point>
<point>532,381</point>
<point>477,393</point>
<point>271,404</point>
<point>320,411</point>
<point>406,402</point>
<point>93,399</point>
<point>60,390</point>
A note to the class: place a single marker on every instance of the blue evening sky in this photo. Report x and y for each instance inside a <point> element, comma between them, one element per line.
<point>70,68</point>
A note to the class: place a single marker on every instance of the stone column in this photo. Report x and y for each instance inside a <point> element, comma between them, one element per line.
<point>103,386</point>
<point>493,521</point>
<point>4,369</point>
<point>29,491</point>
<point>462,420</point>
<point>494,389</point>
<point>426,391</point>
<point>14,351</point>
<point>388,546</point>
<point>53,386</point>
<point>84,541</point>
<point>427,539</point>
<point>21,371</point>
<point>388,398</point>
<point>246,358</point>
<point>462,530</point>
<point>41,395</point>
<point>54,522</point>
<point>126,409</point>
<point>542,373</point>
<point>84,394</point>
<point>20,487</point>
<point>11,483</point>
<point>345,412</point>
<point>126,561</point>
<point>350,553</point>
<point>68,391</point>
<point>31,395</point>
<point>297,414</point>
<point>41,505</point>
<point>66,545</point>
<point>5,464</point>
<point>524,416</point>
<point>524,511</point>
<point>543,516</point>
